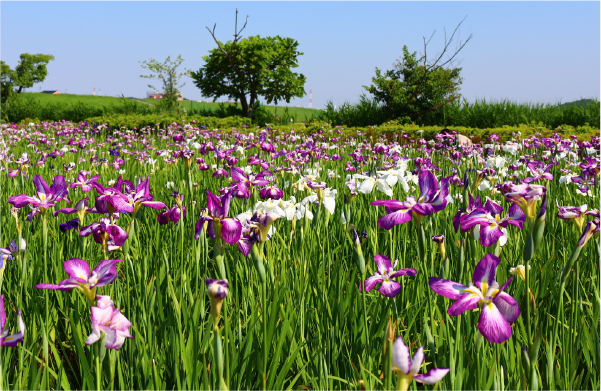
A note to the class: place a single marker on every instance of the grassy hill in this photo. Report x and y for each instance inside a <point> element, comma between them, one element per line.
<point>100,101</point>
<point>92,100</point>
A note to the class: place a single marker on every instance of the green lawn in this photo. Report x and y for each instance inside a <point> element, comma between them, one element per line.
<point>92,100</point>
<point>99,101</point>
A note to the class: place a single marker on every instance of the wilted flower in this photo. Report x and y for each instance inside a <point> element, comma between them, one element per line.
<point>520,271</point>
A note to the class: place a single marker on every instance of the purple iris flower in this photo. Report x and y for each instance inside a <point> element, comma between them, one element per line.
<point>384,276</point>
<point>250,180</point>
<point>576,214</point>
<point>81,279</point>
<point>584,180</point>
<point>590,229</point>
<point>497,308</point>
<point>271,192</point>
<point>524,195</point>
<point>432,200</point>
<point>220,173</point>
<point>473,204</point>
<point>490,221</point>
<point>84,182</point>
<point>171,214</point>
<point>131,202</point>
<point>110,236</point>
<point>219,225</point>
<point>14,339</point>
<point>46,196</point>
<point>539,170</point>
<point>69,225</point>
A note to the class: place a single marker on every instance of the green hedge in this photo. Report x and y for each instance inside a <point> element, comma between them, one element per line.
<point>389,130</point>
<point>118,121</point>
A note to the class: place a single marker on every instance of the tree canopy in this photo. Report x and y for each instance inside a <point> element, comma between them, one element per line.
<point>245,69</point>
<point>416,86</point>
<point>31,69</point>
<point>167,73</point>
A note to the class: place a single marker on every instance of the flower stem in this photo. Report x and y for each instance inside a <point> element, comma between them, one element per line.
<point>265,348</point>
<point>98,382</point>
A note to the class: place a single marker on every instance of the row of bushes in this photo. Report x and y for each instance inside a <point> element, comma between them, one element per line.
<point>391,130</point>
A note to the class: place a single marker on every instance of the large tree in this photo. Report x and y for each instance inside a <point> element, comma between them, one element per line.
<point>245,69</point>
<point>416,86</point>
<point>31,69</point>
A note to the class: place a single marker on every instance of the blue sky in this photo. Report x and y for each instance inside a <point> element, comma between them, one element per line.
<point>522,51</point>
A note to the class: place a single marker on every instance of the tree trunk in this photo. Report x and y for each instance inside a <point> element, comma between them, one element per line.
<point>20,89</point>
<point>251,106</point>
<point>246,111</point>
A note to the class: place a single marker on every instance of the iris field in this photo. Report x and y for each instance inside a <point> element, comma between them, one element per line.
<point>193,258</point>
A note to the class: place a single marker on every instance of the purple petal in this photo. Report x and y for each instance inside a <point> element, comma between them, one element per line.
<point>516,216</point>
<point>493,208</point>
<point>390,220</point>
<point>508,306</point>
<point>77,268</point>
<point>120,203</point>
<point>41,186</point>
<point>21,200</point>
<point>154,204</point>
<point>371,282</point>
<point>231,230</point>
<point>440,201</point>
<point>244,246</point>
<point>59,188</point>
<point>118,234</point>
<point>390,288</point>
<point>493,325</point>
<point>466,303</point>
<point>56,287</point>
<point>392,205</point>
<point>383,264</point>
<point>449,289</point>
<point>2,314</point>
<point>106,271</point>
<point>428,185</point>
<point>400,356</point>
<point>416,361</point>
<point>66,211</point>
<point>238,175</point>
<point>424,209</point>
<point>433,376</point>
<point>489,234</point>
<point>213,205</point>
<point>404,272</point>
<point>485,270</point>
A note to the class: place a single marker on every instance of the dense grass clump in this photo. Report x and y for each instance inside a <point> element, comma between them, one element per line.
<point>478,114</point>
